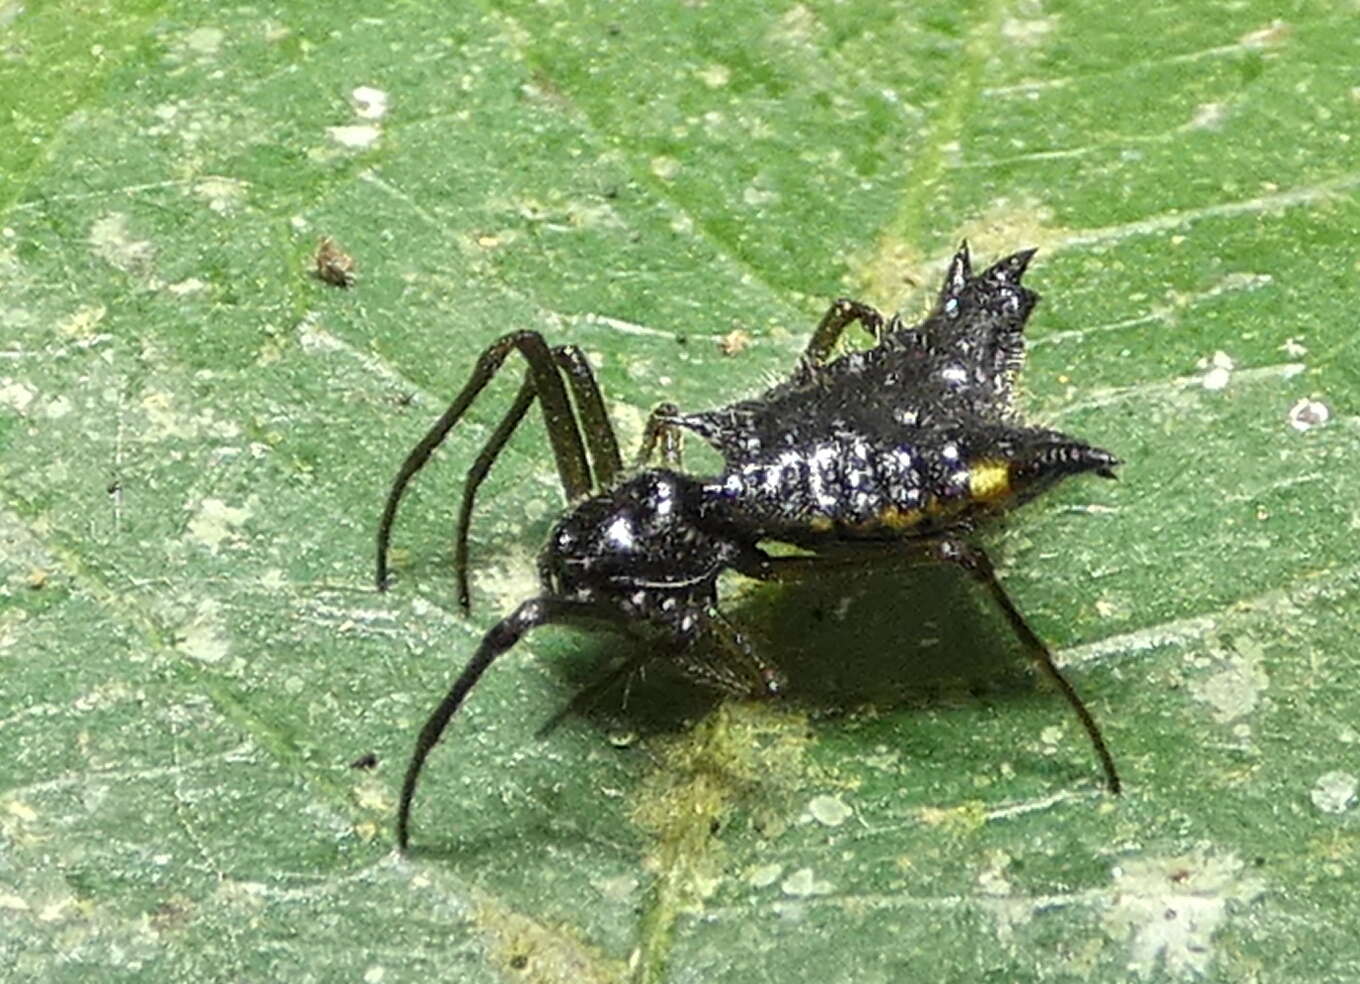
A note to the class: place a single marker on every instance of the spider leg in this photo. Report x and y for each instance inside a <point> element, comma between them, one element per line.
<point>588,696</point>
<point>476,474</point>
<point>662,431</point>
<point>499,640</point>
<point>599,433</point>
<point>717,655</point>
<point>563,432</point>
<point>975,562</point>
<point>842,313</point>
<point>594,423</point>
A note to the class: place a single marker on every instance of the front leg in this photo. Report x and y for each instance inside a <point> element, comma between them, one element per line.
<point>499,640</point>
<point>564,433</point>
<point>594,428</point>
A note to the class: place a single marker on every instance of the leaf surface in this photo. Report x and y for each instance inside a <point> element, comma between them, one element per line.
<point>196,436</point>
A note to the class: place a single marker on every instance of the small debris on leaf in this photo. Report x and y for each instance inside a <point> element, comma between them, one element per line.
<point>333,265</point>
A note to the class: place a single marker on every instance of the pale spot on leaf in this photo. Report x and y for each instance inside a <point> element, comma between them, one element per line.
<point>215,523</point>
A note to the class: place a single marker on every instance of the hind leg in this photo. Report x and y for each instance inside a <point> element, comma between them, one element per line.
<point>842,313</point>
<point>973,561</point>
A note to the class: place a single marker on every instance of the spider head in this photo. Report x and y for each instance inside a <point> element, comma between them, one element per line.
<point>642,554</point>
<point>637,547</point>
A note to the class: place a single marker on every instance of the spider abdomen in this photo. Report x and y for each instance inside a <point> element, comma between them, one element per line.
<point>852,487</point>
<point>922,482</point>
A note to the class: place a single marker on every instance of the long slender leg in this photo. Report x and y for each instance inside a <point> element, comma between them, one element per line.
<point>975,562</point>
<point>475,476</point>
<point>572,466</point>
<point>842,313</point>
<point>599,433</point>
<point>663,432</point>
<point>499,640</point>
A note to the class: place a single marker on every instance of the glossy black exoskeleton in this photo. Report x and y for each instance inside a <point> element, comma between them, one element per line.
<point>885,456</point>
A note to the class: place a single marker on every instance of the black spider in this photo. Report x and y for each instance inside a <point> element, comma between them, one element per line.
<point>885,456</point>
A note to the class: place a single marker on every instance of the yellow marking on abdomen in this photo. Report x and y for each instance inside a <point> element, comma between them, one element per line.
<point>988,479</point>
<point>892,518</point>
<point>895,518</point>
<point>820,523</point>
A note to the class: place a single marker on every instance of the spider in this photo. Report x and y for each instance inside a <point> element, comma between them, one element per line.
<point>882,457</point>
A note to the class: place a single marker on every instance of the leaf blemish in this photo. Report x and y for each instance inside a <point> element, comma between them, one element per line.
<point>747,757</point>
<point>803,883</point>
<point>1167,909</point>
<point>829,811</point>
<point>215,523</point>
<point>539,952</point>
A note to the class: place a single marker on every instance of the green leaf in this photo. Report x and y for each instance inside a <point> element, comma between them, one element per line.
<point>198,434</point>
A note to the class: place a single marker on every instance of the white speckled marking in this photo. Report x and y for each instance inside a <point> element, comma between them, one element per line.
<point>215,523</point>
<point>1307,414</point>
<point>369,103</point>
<point>357,137</point>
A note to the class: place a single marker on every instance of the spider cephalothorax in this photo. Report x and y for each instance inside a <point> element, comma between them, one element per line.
<point>885,456</point>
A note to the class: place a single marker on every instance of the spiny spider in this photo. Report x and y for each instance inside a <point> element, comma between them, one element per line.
<point>885,456</point>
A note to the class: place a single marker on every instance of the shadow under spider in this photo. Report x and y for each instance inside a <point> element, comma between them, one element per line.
<point>892,641</point>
